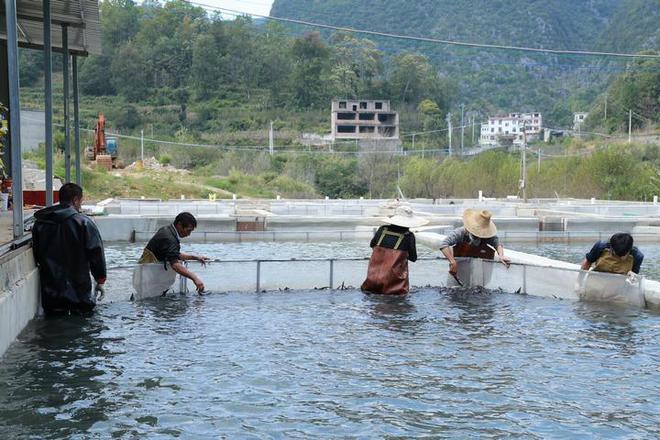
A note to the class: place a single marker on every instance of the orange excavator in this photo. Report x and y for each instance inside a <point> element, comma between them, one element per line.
<point>104,151</point>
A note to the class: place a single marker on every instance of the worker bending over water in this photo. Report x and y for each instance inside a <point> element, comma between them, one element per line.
<point>165,247</point>
<point>477,238</point>
<point>618,255</point>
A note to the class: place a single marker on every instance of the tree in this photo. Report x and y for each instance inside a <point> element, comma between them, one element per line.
<point>344,83</point>
<point>205,72</point>
<point>421,178</point>
<point>129,74</point>
<point>94,79</point>
<point>360,61</point>
<point>275,56</point>
<point>412,78</point>
<point>311,57</point>
<point>338,177</point>
<point>119,23</point>
<point>638,90</point>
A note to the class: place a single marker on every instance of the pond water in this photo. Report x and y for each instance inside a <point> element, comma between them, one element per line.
<point>320,364</point>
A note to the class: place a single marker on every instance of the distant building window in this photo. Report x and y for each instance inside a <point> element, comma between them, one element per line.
<point>346,129</point>
<point>379,106</point>
<point>367,129</point>
<point>363,105</point>
<point>342,104</point>
<point>492,130</point>
<point>346,116</point>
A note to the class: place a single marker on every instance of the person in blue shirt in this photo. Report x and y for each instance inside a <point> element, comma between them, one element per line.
<point>618,255</point>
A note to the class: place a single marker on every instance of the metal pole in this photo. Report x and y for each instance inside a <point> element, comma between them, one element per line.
<point>473,124</point>
<point>142,146</point>
<point>606,106</point>
<point>76,118</point>
<point>65,78</point>
<point>462,128</point>
<point>538,167</point>
<point>332,273</point>
<point>48,101</point>
<point>449,130</point>
<point>14,117</point>
<point>629,126</point>
<point>271,144</point>
<point>524,165</point>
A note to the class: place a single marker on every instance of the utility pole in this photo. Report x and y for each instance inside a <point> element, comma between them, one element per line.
<point>523,183</point>
<point>538,167</point>
<point>271,145</point>
<point>462,128</point>
<point>449,129</point>
<point>629,126</point>
<point>142,146</point>
<point>473,124</point>
<point>606,106</point>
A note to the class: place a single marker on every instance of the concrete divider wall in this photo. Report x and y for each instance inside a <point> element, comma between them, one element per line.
<point>19,293</point>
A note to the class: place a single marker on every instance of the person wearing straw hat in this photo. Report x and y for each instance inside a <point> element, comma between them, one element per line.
<point>477,238</point>
<point>393,245</point>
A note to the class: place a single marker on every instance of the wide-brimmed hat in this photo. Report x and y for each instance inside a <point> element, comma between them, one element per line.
<point>405,217</point>
<point>478,223</point>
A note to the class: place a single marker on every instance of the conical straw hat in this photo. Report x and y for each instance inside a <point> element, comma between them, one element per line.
<point>478,223</point>
<point>405,217</point>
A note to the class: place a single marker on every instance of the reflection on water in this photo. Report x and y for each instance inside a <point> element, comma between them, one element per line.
<point>393,312</point>
<point>450,363</point>
<point>475,310</point>
<point>610,326</point>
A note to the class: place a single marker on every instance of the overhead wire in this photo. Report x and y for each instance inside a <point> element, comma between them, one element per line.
<point>429,39</point>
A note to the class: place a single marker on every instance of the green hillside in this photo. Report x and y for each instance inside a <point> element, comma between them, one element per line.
<point>492,80</point>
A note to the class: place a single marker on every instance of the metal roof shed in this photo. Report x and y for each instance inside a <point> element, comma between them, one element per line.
<point>29,23</point>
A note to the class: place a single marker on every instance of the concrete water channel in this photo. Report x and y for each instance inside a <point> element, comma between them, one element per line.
<point>293,358</point>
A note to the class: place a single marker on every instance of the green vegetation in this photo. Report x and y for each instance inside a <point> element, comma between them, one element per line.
<point>182,74</point>
<point>618,172</point>
<point>637,90</point>
<point>495,81</point>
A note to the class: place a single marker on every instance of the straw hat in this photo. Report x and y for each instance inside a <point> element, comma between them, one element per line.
<point>404,217</point>
<point>478,223</point>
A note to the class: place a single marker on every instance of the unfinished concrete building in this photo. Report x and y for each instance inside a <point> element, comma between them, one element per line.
<point>364,120</point>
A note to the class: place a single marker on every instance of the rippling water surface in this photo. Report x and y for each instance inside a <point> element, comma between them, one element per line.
<point>322,364</point>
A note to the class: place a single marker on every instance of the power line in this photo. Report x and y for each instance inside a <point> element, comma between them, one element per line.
<point>428,39</point>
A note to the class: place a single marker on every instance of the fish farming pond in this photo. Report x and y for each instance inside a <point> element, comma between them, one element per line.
<point>452,363</point>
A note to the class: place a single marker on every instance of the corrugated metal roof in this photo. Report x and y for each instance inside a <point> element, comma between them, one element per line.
<point>81,17</point>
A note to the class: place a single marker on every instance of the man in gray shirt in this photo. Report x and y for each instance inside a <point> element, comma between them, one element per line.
<point>477,238</point>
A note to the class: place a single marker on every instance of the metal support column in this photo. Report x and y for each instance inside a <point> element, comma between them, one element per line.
<point>48,101</point>
<point>14,117</point>
<point>65,89</point>
<point>76,118</point>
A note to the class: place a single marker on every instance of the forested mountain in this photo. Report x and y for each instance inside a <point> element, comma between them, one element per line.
<point>493,80</point>
<point>634,26</point>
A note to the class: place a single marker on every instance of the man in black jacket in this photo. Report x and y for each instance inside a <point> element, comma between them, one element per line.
<point>67,247</point>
